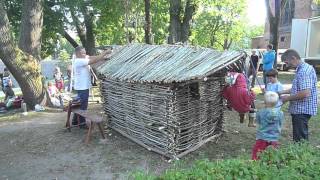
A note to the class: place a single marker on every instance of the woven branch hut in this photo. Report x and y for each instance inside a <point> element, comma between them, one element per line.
<point>166,98</point>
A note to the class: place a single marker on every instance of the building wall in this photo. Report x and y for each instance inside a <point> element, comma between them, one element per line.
<point>284,40</point>
<point>302,10</point>
<point>258,42</point>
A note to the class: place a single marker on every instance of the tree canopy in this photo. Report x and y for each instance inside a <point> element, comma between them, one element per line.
<point>35,29</point>
<point>219,23</point>
<point>213,23</point>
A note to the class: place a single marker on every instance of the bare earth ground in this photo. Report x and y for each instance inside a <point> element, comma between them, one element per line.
<point>38,146</point>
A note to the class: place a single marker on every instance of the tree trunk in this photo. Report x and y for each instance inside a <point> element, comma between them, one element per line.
<point>188,13</point>
<point>70,39</point>
<point>24,67</point>
<point>180,31</point>
<point>90,39</point>
<point>79,27</point>
<point>227,43</point>
<point>86,32</point>
<point>274,25</point>
<point>175,24</point>
<point>147,28</point>
<point>31,27</point>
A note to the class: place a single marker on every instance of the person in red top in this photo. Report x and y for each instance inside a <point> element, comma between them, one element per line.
<point>238,96</point>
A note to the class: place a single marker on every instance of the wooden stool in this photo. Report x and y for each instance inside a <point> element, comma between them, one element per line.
<point>91,120</point>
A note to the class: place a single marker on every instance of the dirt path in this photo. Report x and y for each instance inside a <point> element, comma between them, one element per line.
<point>39,147</point>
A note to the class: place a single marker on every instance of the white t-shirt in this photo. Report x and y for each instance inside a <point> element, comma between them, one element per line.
<point>82,77</point>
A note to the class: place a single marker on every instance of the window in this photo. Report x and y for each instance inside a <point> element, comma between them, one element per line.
<point>287,13</point>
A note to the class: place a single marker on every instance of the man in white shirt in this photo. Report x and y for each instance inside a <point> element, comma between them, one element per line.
<point>82,78</point>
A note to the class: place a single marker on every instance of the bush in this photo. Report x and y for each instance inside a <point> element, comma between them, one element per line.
<point>295,161</point>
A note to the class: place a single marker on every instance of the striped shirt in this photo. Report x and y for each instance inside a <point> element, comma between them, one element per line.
<point>305,78</point>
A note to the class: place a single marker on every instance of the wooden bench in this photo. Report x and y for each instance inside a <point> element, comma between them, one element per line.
<point>92,119</point>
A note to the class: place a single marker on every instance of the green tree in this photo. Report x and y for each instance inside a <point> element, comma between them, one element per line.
<point>160,21</point>
<point>180,20</point>
<point>218,24</point>
<point>250,31</point>
<point>64,55</point>
<point>52,23</point>
<point>119,21</point>
<point>274,20</point>
<point>21,52</point>
<point>147,27</point>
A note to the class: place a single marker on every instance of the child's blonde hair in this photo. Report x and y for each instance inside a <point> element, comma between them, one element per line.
<point>271,98</point>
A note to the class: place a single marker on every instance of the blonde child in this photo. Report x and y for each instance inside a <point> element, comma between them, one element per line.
<point>269,122</point>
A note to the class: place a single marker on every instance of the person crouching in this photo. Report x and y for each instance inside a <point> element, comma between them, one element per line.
<point>269,120</point>
<point>238,96</point>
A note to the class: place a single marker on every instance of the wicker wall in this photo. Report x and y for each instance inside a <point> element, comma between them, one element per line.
<point>172,120</point>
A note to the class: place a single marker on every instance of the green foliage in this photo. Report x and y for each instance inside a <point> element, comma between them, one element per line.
<point>52,28</point>
<point>64,55</point>
<point>121,21</point>
<point>65,52</point>
<point>296,161</point>
<point>118,20</point>
<point>218,24</point>
<point>249,32</point>
<point>13,8</point>
<point>52,23</point>
<point>160,21</point>
<point>66,46</point>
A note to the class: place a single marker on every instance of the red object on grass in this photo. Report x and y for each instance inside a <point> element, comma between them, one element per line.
<point>260,146</point>
<point>17,102</point>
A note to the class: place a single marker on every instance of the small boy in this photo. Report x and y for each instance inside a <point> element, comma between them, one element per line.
<point>273,84</point>
<point>269,122</point>
<point>238,96</point>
